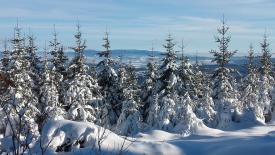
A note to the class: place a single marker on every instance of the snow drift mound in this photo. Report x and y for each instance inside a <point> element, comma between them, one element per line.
<point>71,136</point>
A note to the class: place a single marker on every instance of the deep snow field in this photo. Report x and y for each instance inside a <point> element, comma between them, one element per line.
<point>242,140</point>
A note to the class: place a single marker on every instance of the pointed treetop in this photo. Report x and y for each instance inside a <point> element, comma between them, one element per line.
<point>224,27</point>
<point>151,55</point>
<point>265,44</point>
<point>54,44</point>
<point>152,48</point>
<point>250,58</point>
<point>222,56</point>
<point>106,52</point>
<point>251,51</point>
<point>266,56</point>
<point>169,46</point>
<point>80,44</point>
<point>17,41</point>
<point>45,56</point>
<point>54,33</point>
<point>197,61</point>
<point>183,58</point>
<point>17,25</point>
<point>5,44</point>
<point>182,46</point>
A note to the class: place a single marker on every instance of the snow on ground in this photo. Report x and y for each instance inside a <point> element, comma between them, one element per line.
<point>256,140</point>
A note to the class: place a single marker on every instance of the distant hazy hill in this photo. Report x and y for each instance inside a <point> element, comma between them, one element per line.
<point>132,53</point>
<point>119,52</point>
<point>140,56</point>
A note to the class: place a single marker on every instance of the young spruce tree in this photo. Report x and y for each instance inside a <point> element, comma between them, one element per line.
<point>223,91</point>
<point>166,86</point>
<point>266,80</point>
<point>82,95</point>
<point>21,108</point>
<point>107,79</point>
<point>149,95</point>
<point>252,110</point>
<point>186,81</point>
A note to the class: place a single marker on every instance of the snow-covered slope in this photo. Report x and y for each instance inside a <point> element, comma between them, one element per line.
<point>207,141</point>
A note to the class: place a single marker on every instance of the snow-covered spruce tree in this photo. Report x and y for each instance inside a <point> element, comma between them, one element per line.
<point>128,122</point>
<point>20,109</point>
<point>186,121</point>
<point>34,63</point>
<point>107,80</point>
<point>50,106</point>
<point>59,59</point>
<point>199,80</point>
<point>223,92</point>
<point>186,76</point>
<point>3,85</point>
<point>82,92</point>
<point>77,64</point>
<point>5,58</point>
<point>266,79</point>
<point>165,86</point>
<point>59,64</point>
<point>252,110</point>
<point>129,118</point>
<point>131,82</point>
<point>5,61</point>
<point>152,111</point>
<point>149,95</point>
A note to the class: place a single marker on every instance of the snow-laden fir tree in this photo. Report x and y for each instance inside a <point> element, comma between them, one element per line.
<point>167,70</point>
<point>128,106</point>
<point>50,107</point>
<point>132,82</point>
<point>199,79</point>
<point>77,64</point>
<point>152,111</point>
<point>149,95</point>
<point>166,86</point>
<point>266,80</point>
<point>82,93</point>
<point>186,76</point>
<point>21,108</point>
<point>224,94</point>
<point>252,110</point>
<point>186,121</point>
<point>34,62</point>
<point>112,108</point>
<point>5,57</point>
<point>3,85</point>
<point>266,57</point>
<point>58,63</point>
<point>128,122</point>
<point>59,59</point>
<point>107,79</point>
<point>5,61</point>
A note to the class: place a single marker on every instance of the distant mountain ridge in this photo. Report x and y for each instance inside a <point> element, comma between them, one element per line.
<point>133,53</point>
<point>141,55</point>
<point>119,52</point>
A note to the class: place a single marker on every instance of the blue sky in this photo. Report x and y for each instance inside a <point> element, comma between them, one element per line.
<point>135,24</point>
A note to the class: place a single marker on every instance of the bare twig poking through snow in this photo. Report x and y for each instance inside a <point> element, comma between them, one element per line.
<point>124,147</point>
<point>44,147</point>
<point>102,134</point>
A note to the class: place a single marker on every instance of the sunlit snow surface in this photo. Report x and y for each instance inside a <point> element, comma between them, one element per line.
<point>243,139</point>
